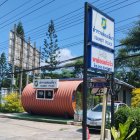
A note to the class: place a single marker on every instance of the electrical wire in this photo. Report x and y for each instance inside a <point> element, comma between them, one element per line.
<point>3,3</point>
<point>28,13</point>
<point>20,6</point>
<point>124,6</point>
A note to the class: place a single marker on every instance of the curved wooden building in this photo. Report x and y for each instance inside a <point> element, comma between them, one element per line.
<point>63,100</point>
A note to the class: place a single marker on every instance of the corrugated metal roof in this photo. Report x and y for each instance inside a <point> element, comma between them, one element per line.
<point>61,104</point>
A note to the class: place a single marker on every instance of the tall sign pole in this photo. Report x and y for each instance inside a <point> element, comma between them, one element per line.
<point>112,102</point>
<point>21,64</point>
<point>85,89</point>
<point>98,52</point>
<point>27,63</point>
<point>103,113</point>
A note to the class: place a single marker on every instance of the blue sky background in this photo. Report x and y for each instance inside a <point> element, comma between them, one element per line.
<point>68,17</point>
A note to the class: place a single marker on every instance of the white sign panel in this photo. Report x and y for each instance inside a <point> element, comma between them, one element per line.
<point>46,83</point>
<point>101,59</point>
<point>102,30</point>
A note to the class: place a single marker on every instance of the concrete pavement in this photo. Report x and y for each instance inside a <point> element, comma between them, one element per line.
<point>14,129</point>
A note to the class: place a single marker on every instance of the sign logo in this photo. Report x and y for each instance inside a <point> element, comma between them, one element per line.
<point>103,23</point>
<point>36,83</point>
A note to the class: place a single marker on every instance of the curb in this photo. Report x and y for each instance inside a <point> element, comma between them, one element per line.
<point>14,116</point>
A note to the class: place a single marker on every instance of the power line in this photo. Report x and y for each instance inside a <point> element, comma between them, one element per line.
<point>3,2</point>
<point>124,6</point>
<point>80,9</point>
<point>116,9</point>
<point>27,2</point>
<point>28,13</point>
<point>55,19</point>
<point>76,35</point>
<point>65,28</point>
<point>106,3</point>
<point>47,67</point>
<point>21,12</point>
<point>51,11</point>
<point>71,37</point>
<point>127,19</point>
<point>59,24</point>
<point>115,4</point>
<point>129,56</point>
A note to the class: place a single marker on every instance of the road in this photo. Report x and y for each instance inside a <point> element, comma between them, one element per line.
<point>11,129</point>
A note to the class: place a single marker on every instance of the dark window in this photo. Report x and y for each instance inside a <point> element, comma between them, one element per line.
<point>122,105</point>
<point>40,94</point>
<point>48,94</point>
<point>124,96</point>
<point>98,108</point>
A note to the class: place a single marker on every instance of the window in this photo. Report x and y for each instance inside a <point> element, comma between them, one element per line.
<point>40,94</point>
<point>122,105</point>
<point>45,94</point>
<point>48,94</point>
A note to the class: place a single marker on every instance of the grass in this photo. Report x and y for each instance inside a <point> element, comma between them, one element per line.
<point>26,116</point>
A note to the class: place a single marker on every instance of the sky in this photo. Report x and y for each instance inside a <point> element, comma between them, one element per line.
<point>68,17</point>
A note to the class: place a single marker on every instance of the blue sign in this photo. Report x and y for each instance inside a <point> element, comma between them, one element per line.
<point>101,38</point>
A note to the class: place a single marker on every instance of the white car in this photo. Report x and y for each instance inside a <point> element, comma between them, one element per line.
<point>94,115</point>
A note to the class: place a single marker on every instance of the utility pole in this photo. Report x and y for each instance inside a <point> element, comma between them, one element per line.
<point>85,89</point>
<point>112,102</point>
<point>39,62</point>
<point>21,64</point>
<point>34,57</point>
<point>13,60</point>
<point>27,62</point>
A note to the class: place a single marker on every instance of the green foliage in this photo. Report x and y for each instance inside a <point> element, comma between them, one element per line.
<point>20,29</point>
<point>12,103</point>
<point>135,102</point>
<point>17,77</point>
<point>77,68</point>
<point>78,101</point>
<point>51,51</point>
<point>3,70</point>
<point>123,114</point>
<point>132,40</point>
<point>91,100</point>
<point>123,132</point>
<point>66,73</point>
<point>127,69</point>
<point>3,64</point>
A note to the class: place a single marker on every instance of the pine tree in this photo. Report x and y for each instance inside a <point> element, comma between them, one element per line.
<point>20,29</point>
<point>3,68</point>
<point>51,51</point>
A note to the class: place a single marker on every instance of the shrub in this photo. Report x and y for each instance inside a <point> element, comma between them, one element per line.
<point>123,114</point>
<point>136,97</point>
<point>135,114</point>
<point>12,103</point>
<point>123,132</point>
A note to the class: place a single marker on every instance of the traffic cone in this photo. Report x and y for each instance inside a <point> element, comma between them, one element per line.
<point>88,134</point>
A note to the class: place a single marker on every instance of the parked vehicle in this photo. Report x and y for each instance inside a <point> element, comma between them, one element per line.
<point>94,115</point>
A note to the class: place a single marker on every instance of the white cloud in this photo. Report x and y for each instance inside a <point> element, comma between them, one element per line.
<point>65,54</point>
